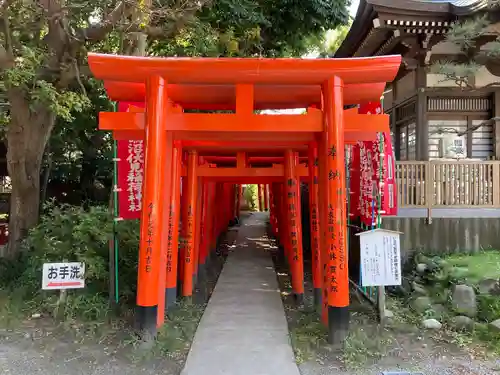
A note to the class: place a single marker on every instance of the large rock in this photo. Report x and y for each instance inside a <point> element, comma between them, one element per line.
<point>421,268</point>
<point>464,300</point>
<point>419,289</point>
<point>462,323</point>
<point>438,311</point>
<point>431,324</point>
<point>495,326</point>
<point>488,286</point>
<point>421,304</point>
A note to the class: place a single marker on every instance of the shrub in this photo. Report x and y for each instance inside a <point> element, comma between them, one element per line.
<point>73,234</point>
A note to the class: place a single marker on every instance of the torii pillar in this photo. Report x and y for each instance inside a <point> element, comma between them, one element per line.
<point>332,177</point>
<point>152,216</point>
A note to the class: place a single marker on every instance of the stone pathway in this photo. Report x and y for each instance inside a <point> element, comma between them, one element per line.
<point>244,330</point>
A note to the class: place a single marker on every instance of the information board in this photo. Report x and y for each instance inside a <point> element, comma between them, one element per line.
<point>380,258</point>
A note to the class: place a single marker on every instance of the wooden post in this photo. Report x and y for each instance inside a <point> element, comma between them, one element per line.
<point>266,197</point>
<point>314,222</point>
<point>496,184</point>
<point>295,227</point>
<point>203,245</point>
<point>166,201</point>
<point>150,246</point>
<point>189,225</point>
<point>271,211</point>
<point>183,211</point>
<point>239,191</point>
<point>322,220</point>
<point>334,156</point>
<point>173,228</point>
<point>197,230</point>
<point>259,196</point>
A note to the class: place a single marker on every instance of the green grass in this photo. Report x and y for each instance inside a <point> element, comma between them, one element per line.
<point>479,266</point>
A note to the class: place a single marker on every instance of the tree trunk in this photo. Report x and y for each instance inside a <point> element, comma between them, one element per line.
<point>46,175</point>
<point>27,135</point>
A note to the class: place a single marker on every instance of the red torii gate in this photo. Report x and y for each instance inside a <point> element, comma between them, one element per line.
<point>168,86</point>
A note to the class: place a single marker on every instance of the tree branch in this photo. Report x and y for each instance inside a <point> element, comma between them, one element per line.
<point>97,33</point>
<point>6,51</point>
<point>472,129</point>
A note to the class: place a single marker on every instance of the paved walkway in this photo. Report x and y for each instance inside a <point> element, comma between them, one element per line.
<point>244,330</point>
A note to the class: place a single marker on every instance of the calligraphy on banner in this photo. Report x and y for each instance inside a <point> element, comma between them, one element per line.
<point>376,173</point>
<point>130,166</point>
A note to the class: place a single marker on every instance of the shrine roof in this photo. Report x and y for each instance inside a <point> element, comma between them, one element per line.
<point>376,20</point>
<point>279,83</point>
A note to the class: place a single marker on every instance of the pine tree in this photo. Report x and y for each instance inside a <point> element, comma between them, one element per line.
<point>462,68</point>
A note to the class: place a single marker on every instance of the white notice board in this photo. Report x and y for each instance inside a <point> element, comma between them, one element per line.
<point>380,258</point>
<point>66,275</point>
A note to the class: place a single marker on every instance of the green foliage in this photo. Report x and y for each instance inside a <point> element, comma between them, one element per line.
<point>74,234</point>
<point>335,39</point>
<point>251,196</point>
<point>78,144</point>
<point>488,307</point>
<point>256,28</point>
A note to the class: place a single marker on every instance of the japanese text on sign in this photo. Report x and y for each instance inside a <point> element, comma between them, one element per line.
<point>380,258</point>
<point>63,276</point>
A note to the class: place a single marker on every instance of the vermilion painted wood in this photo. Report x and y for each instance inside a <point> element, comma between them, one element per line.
<point>152,213</point>
<point>259,71</point>
<point>236,123</point>
<point>222,97</point>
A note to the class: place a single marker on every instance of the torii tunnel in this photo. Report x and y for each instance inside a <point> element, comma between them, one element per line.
<point>215,153</point>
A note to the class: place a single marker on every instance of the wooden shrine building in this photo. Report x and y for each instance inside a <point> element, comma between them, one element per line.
<point>446,139</point>
<point>429,114</point>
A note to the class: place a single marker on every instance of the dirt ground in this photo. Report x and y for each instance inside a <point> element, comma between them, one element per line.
<point>371,349</point>
<point>38,346</point>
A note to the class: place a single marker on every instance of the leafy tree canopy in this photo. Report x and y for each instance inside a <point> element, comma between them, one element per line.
<point>44,78</point>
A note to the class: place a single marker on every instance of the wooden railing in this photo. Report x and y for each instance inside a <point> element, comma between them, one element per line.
<point>448,184</point>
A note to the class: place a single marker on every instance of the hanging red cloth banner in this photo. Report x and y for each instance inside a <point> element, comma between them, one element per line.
<point>376,178</point>
<point>354,181</point>
<point>386,186</point>
<point>130,168</point>
<point>368,205</point>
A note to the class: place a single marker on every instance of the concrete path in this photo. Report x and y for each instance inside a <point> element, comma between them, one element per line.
<point>244,330</point>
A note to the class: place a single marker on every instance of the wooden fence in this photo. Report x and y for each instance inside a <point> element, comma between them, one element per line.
<point>448,184</point>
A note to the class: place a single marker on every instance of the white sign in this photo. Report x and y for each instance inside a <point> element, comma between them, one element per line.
<point>380,258</point>
<point>63,276</point>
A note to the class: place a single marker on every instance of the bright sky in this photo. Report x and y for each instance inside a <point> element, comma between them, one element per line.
<point>353,8</point>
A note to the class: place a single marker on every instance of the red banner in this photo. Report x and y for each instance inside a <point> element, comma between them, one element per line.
<point>130,166</point>
<point>386,186</point>
<point>354,181</point>
<point>373,177</point>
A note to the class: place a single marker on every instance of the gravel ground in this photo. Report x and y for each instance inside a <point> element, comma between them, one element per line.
<point>22,357</point>
<point>446,366</point>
